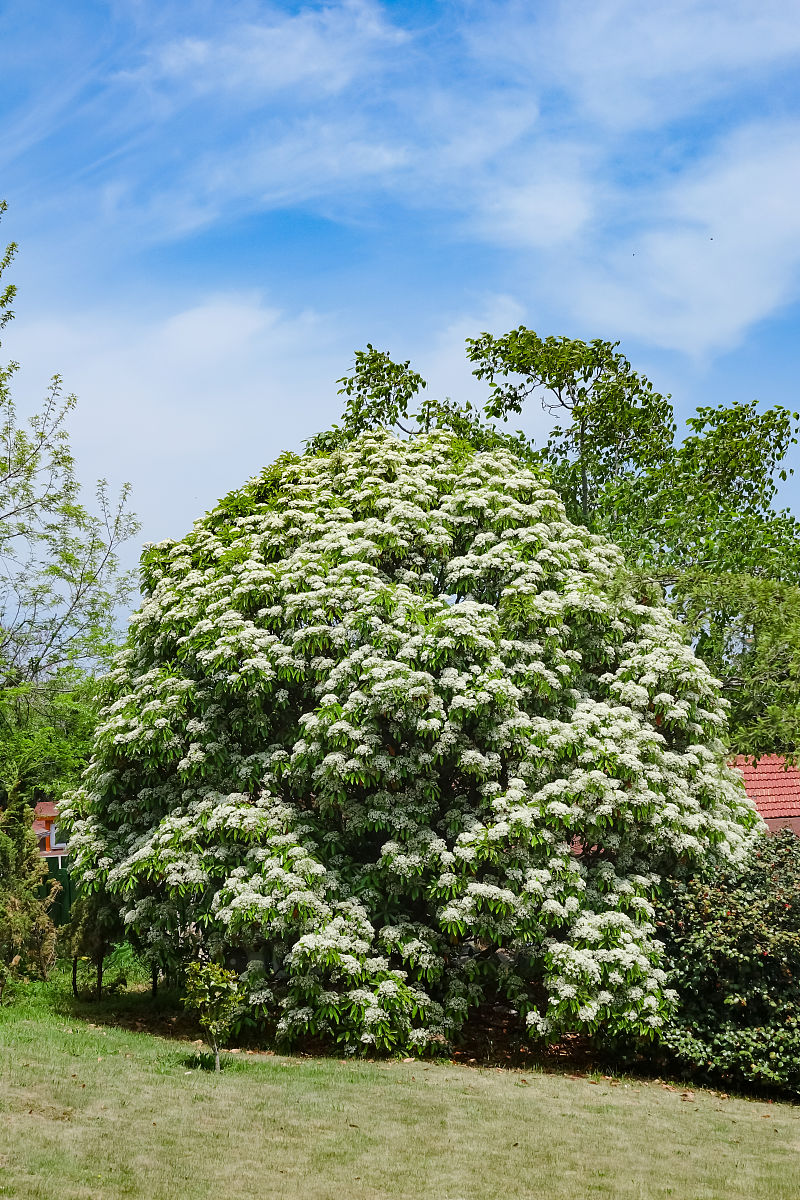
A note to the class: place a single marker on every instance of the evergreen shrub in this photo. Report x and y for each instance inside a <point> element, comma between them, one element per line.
<point>733,957</point>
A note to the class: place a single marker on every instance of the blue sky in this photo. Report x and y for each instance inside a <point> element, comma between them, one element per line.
<point>216,203</point>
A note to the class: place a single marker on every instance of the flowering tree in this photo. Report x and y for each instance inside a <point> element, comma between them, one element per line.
<point>391,724</point>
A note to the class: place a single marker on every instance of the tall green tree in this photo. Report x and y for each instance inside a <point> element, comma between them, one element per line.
<point>60,591</point>
<point>612,428</point>
<point>695,514</point>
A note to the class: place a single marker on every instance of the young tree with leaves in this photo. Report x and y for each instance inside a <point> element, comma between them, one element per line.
<point>60,589</point>
<point>214,993</point>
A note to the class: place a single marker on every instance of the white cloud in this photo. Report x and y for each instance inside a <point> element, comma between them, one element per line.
<point>320,50</point>
<point>185,405</point>
<point>629,64</point>
<point>543,212</point>
<point>720,251</point>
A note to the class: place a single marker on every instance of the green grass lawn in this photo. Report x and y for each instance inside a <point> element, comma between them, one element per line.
<point>88,1110</point>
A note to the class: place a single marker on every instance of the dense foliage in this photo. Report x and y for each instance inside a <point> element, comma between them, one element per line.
<point>391,724</point>
<point>733,949</point>
<point>27,934</point>
<point>748,629</point>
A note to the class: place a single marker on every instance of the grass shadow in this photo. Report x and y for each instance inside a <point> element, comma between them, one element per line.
<point>203,1060</point>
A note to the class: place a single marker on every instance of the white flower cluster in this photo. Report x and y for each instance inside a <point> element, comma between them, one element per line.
<point>393,725</point>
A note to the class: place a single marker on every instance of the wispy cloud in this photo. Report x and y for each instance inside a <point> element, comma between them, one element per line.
<point>203,395</point>
<point>720,250</point>
<point>627,64</point>
<point>595,146</point>
<point>318,50</point>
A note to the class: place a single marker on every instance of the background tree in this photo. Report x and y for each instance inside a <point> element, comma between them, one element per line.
<point>613,429</point>
<point>60,587</point>
<point>60,590</point>
<point>748,630</point>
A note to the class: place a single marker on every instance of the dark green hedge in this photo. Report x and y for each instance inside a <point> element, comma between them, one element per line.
<point>733,956</point>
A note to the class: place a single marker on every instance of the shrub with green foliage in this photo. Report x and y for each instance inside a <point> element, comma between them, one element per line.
<point>733,949</point>
<point>393,726</point>
<point>27,933</point>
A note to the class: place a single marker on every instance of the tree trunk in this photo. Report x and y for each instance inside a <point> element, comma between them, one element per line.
<point>154,979</point>
<point>584,480</point>
<point>75,976</point>
<point>99,989</point>
<point>217,1067</point>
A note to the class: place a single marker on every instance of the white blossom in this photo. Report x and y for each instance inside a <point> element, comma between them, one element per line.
<point>385,710</point>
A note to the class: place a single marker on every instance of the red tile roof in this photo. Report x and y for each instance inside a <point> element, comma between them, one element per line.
<point>46,808</point>
<point>773,787</point>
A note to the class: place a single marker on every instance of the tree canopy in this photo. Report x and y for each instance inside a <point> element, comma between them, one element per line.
<point>391,724</point>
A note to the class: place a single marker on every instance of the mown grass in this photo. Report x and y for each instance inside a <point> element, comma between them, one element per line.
<point>89,1110</point>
